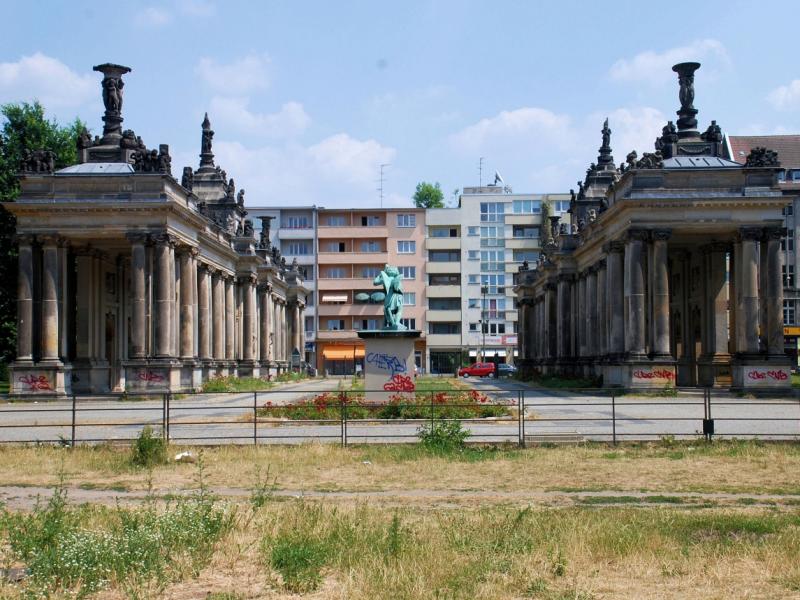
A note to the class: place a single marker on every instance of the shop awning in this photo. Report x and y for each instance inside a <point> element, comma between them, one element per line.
<point>328,298</point>
<point>342,352</point>
<point>490,352</point>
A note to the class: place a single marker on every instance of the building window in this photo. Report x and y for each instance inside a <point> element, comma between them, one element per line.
<point>309,324</point>
<point>408,272</point>
<point>444,279</point>
<point>473,327</point>
<point>473,254</point>
<point>443,232</point>
<point>493,260</point>
<point>369,323</point>
<point>370,246</point>
<point>474,303</point>
<point>406,246</point>
<point>336,273</point>
<point>370,221</point>
<point>788,210</point>
<point>297,248</point>
<point>336,247</point>
<point>336,221</point>
<point>410,298</point>
<point>444,328</point>
<point>444,303</point>
<point>444,256</point>
<point>787,243</point>
<point>308,272</point>
<point>296,222</point>
<point>494,308</point>
<point>492,236</point>
<point>370,272</point>
<point>527,207</point>
<point>473,230</point>
<point>525,231</point>
<point>560,206</point>
<point>788,312</point>
<point>473,279</point>
<point>788,276</point>
<point>492,212</point>
<point>335,324</point>
<point>529,255</point>
<point>494,328</point>
<point>406,220</point>
<point>495,284</point>
<point>409,323</point>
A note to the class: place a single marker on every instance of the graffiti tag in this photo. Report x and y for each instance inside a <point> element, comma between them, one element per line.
<point>399,383</point>
<point>654,374</point>
<point>36,383</point>
<point>776,375</point>
<point>150,376</point>
<point>387,362</point>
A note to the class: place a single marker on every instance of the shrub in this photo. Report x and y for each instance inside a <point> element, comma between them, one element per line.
<point>443,435</point>
<point>299,560</point>
<point>149,449</point>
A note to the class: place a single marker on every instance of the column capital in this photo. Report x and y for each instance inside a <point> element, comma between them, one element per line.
<point>550,286</point>
<point>637,235</point>
<point>774,233</point>
<point>137,237</point>
<point>25,239</point>
<point>51,239</point>
<point>614,246</point>
<point>248,278</point>
<point>753,234</point>
<point>566,277</point>
<point>601,264</point>
<point>661,235</point>
<point>186,249</point>
<point>164,238</point>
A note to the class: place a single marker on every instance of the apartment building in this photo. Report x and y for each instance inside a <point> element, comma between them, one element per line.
<point>474,251</point>
<point>293,230</point>
<point>353,245</point>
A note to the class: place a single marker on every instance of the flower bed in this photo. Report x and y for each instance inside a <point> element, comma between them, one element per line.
<point>440,405</point>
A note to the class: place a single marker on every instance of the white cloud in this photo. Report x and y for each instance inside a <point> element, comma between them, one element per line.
<point>786,96</point>
<point>355,161</point>
<point>656,68</point>
<point>529,125</point>
<point>631,129</point>
<point>48,80</point>
<point>236,78</point>
<point>234,113</point>
<point>153,16</point>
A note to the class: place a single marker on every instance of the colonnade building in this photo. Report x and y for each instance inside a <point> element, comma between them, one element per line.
<point>672,271</point>
<point>130,280</point>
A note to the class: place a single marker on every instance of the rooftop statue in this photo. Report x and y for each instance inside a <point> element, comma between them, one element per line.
<point>391,280</point>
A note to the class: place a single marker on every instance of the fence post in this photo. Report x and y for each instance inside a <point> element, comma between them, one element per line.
<point>344,418</point>
<point>255,418</point>
<point>169,402</point>
<point>432,416</point>
<point>164,417</point>
<point>521,408</point>
<point>614,418</point>
<point>74,408</point>
<point>708,422</point>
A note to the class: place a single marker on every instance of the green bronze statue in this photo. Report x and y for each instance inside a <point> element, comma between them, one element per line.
<point>391,280</point>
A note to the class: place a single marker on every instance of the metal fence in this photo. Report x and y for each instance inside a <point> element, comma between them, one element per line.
<point>511,415</point>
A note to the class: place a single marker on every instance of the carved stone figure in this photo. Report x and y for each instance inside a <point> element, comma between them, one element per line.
<point>631,159</point>
<point>230,191</point>
<point>606,134</point>
<point>762,157</point>
<point>129,140</point>
<point>591,215</point>
<point>112,93</point>
<point>240,198</point>
<point>207,136</point>
<point>563,229</point>
<point>713,133</point>
<point>84,140</point>
<point>295,265</point>
<point>650,160</point>
<point>248,228</point>
<point>187,180</point>
<point>38,161</point>
<point>391,280</point>
<point>265,226</point>
<point>164,159</point>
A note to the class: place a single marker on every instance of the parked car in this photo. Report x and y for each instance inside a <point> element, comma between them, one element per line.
<point>479,369</point>
<point>506,370</point>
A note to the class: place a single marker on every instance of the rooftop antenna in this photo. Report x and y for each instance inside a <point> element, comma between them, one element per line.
<point>480,172</point>
<point>380,189</point>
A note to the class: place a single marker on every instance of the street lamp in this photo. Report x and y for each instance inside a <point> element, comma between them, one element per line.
<point>483,321</point>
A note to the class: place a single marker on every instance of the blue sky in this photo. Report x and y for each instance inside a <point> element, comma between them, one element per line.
<point>308,98</point>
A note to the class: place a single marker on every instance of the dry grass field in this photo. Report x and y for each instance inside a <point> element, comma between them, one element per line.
<point>665,520</point>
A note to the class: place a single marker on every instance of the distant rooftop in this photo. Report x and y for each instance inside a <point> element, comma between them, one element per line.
<point>787,147</point>
<point>98,168</point>
<point>699,162</point>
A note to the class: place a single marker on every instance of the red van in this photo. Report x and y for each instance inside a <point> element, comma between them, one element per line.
<point>480,369</point>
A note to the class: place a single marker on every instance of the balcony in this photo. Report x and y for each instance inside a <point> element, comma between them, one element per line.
<point>296,233</point>
<point>523,243</point>
<point>443,315</point>
<point>350,258</point>
<point>346,310</point>
<point>447,243</point>
<point>443,267</point>
<point>344,283</point>
<point>523,219</point>
<point>443,291</point>
<point>302,259</point>
<point>311,336</point>
<point>442,340</point>
<point>350,232</point>
<point>338,336</point>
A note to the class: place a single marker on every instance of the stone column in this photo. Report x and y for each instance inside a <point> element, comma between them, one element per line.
<point>187,305</point>
<point>601,338</point>
<point>615,299</point>
<point>25,299</point>
<point>248,316</point>
<point>195,303</point>
<point>550,348</point>
<point>635,294</point>
<point>660,297</point>
<point>50,298</point>
<point>521,342</point>
<point>301,315</point>
<point>229,314</point>
<point>297,343</point>
<point>564,312</point>
<point>163,328</point>
<point>581,315</point>
<point>590,307</point>
<point>264,290</point>
<point>203,312</point>
<point>774,292</point>
<point>218,314</point>
<point>748,286</point>
<point>138,323</point>
<point>715,340</point>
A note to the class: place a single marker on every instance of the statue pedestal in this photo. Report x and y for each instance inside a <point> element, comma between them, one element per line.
<point>388,363</point>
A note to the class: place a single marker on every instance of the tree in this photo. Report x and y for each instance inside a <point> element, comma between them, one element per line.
<point>428,195</point>
<point>25,127</point>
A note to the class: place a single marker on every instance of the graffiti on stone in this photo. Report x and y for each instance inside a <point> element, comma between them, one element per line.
<point>399,383</point>
<point>150,376</point>
<point>387,362</point>
<point>654,374</point>
<point>774,374</point>
<point>36,383</point>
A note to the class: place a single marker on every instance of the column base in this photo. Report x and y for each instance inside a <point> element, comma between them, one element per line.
<point>44,378</point>
<point>755,375</point>
<point>714,371</point>
<point>640,374</point>
<point>90,376</point>
<point>249,368</point>
<point>153,375</point>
